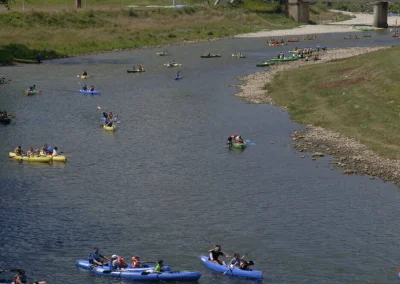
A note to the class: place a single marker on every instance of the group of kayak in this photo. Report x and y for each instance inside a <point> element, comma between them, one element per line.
<point>45,154</point>
<point>5,118</point>
<point>116,267</point>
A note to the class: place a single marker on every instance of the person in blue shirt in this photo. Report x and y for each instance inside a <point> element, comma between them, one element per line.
<point>236,261</point>
<point>96,258</point>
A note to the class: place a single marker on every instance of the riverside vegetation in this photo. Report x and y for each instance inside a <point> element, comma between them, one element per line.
<point>69,32</point>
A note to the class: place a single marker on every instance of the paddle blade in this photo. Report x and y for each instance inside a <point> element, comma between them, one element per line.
<point>252,144</point>
<point>247,141</point>
<point>107,271</point>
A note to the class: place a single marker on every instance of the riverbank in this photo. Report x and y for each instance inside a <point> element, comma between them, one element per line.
<point>350,107</point>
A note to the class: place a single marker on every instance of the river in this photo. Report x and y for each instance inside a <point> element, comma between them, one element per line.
<point>165,181</point>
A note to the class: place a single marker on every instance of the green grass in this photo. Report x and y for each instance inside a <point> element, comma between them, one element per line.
<point>73,32</point>
<point>357,97</point>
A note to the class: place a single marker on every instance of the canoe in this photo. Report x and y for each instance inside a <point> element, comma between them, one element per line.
<point>5,120</point>
<point>210,56</point>
<point>31,93</point>
<point>95,92</point>
<point>163,54</point>
<point>177,77</point>
<point>239,145</point>
<point>285,59</point>
<point>30,159</point>
<point>135,71</point>
<point>84,264</point>
<point>238,56</point>
<point>83,76</point>
<point>26,61</point>
<point>248,274</point>
<point>265,64</point>
<point>110,128</point>
<point>293,40</point>
<point>173,65</point>
<point>144,276</point>
<point>59,158</point>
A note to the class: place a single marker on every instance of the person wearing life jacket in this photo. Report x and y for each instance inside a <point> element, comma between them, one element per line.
<point>236,261</point>
<point>20,278</point>
<point>215,253</point>
<point>96,258</point>
<point>159,266</point>
<point>18,151</point>
<point>84,73</point>
<point>55,152</point>
<point>245,265</point>
<point>229,143</point>
<point>136,261</point>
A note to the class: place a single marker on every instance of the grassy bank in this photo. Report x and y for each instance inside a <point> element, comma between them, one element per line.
<point>357,97</point>
<point>71,32</point>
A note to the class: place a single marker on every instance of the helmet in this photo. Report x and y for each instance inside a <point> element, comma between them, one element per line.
<point>114,256</point>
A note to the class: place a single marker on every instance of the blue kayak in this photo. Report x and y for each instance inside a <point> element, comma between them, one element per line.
<point>248,274</point>
<point>178,77</point>
<point>84,264</point>
<point>95,92</point>
<point>147,276</point>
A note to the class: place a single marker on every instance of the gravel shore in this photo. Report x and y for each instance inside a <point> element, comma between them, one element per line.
<point>349,154</point>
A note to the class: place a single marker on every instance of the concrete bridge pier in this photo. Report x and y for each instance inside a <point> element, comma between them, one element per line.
<point>298,10</point>
<point>380,14</point>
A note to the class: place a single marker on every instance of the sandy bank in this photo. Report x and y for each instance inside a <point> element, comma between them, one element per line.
<point>349,154</point>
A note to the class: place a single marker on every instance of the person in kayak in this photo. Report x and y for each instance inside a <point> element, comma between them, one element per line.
<point>117,262</point>
<point>159,266</point>
<point>32,88</point>
<point>105,115</point>
<point>96,258</point>
<point>215,253</point>
<point>133,68</point>
<point>235,261</point>
<point>178,74</point>
<point>245,265</point>
<point>136,263</point>
<point>141,68</point>
<point>85,88</point>
<point>229,143</point>
<point>165,52</point>
<point>55,152</point>
<point>91,88</point>
<point>84,73</point>
<point>30,152</point>
<point>18,151</point>
<point>20,278</point>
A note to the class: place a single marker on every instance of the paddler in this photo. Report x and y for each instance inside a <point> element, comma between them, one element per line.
<point>55,152</point>
<point>133,68</point>
<point>30,152</point>
<point>236,261</point>
<point>245,265</point>
<point>96,258</point>
<point>159,266</point>
<point>18,151</point>
<point>32,88</point>
<point>91,88</point>
<point>85,88</point>
<point>215,253</point>
<point>136,263</point>
<point>20,278</point>
<point>84,73</point>
<point>141,68</point>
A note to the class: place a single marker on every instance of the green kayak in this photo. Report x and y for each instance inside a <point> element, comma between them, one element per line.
<point>26,61</point>
<point>239,145</point>
<point>265,64</point>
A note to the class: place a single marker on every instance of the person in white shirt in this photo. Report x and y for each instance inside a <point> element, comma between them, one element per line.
<point>55,153</point>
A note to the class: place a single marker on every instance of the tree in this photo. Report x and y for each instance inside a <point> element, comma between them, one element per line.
<point>6,3</point>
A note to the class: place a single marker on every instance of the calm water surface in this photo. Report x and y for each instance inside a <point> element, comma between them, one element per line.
<point>164,180</point>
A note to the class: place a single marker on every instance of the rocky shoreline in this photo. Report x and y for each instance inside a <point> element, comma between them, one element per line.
<point>352,156</point>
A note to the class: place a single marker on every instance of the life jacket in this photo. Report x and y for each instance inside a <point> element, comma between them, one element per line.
<point>22,278</point>
<point>121,262</point>
<point>135,262</point>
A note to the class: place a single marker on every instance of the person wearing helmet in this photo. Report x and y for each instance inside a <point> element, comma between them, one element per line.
<point>96,258</point>
<point>136,263</point>
<point>215,253</point>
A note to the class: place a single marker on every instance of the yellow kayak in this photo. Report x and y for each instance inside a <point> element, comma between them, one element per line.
<point>84,76</point>
<point>59,158</point>
<point>110,128</point>
<point>30,159</point>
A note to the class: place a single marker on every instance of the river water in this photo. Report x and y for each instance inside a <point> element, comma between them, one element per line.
<point>164,181</point>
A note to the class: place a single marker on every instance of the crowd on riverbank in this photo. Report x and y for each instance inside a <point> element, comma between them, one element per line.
<point>351,155</point>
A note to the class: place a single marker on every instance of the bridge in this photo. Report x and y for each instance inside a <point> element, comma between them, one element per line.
<point>299,10</point>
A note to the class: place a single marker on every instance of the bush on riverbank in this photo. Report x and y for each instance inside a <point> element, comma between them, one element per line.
<point>72,32</point>
<point>357,97</point>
